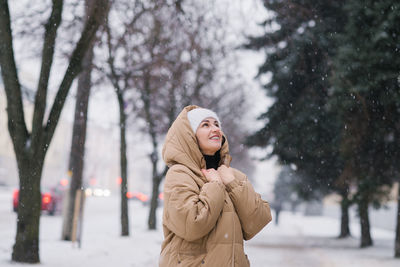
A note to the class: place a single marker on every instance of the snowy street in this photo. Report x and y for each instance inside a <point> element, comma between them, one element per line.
<point>297,241</point>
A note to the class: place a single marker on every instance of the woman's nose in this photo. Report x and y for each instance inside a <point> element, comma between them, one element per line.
<point>215,128</point>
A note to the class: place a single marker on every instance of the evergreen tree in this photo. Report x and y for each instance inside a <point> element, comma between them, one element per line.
<point>367,95</point>
<point>301,126</point>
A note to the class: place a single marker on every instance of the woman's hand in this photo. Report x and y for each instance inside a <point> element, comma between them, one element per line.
<point>226,174</point>
<point>211,175</point>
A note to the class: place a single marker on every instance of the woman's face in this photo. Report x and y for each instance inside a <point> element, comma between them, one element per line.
<point>209,136</point>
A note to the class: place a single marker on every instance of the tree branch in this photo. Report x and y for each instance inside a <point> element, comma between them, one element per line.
<point>16,121</point>
<point>96,18</point>
<point>113,76</point>
<point>47,59</point>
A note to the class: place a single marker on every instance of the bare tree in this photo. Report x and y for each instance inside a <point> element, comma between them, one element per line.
<point>31,147</point>
<point>119,69</point>
<point>77,154</point>
<point>120,86</point>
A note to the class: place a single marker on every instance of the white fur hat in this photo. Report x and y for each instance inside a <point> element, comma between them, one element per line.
<point>197,115</point>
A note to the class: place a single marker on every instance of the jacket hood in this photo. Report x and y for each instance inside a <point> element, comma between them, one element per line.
<point>181,146</point>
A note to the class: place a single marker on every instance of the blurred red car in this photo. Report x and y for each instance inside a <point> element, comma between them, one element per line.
<point>145,199</point>
<point>51,200</point>
<point>138,196</point>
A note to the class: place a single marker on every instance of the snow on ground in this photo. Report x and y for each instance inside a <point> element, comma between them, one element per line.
<point>297,241</point>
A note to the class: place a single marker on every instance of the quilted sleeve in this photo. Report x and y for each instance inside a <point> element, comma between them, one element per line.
<point>254,213</point>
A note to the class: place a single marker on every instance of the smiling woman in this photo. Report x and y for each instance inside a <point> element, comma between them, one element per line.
<point>206,125</point>
<point>209,207</point>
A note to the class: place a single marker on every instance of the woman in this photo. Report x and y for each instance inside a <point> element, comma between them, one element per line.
<point>209,207</point>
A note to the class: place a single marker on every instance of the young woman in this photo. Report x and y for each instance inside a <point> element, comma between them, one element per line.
<point>209,207</point>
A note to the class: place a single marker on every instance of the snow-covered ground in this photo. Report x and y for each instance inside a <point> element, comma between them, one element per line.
<point>297,241</point>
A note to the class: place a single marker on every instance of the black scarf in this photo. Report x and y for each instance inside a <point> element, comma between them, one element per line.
<point>212,162</point>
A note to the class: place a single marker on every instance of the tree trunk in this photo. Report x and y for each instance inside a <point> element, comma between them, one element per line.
<point>124,167</point>
<point>77,154</point>
<point>115,78</point>
<point>397,239</point>
<point>344,225</point>
<point>30,148</point>
<point>156,178</point>
<point>152,223</point>
<point>366,239</point>
<point>26,247</point>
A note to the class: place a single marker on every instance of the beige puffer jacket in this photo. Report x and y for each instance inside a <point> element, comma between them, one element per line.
<point>205,223</point>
